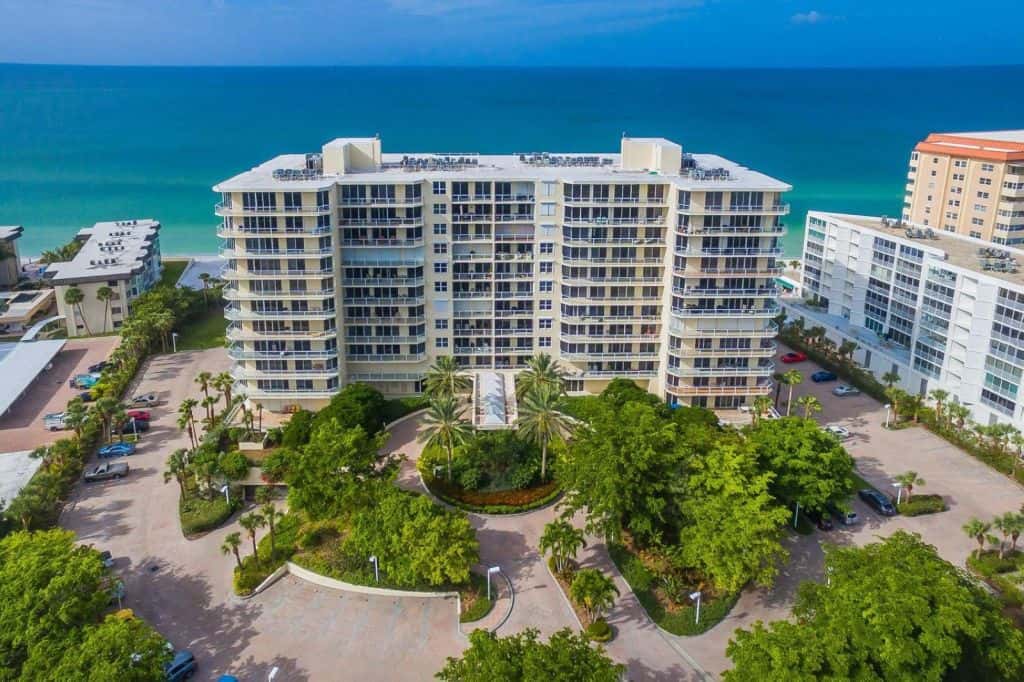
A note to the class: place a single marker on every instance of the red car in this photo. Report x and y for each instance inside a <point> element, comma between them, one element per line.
<point>794,356</point>
<point>138,415</point>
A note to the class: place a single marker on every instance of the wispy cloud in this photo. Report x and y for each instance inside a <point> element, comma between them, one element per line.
<point>811,17</point>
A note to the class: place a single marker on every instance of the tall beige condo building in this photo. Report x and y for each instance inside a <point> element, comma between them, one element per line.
<point>969,183</point>
<point>354,265</point>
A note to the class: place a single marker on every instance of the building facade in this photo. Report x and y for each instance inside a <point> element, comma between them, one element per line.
<point>10,261</point>
<point>943,311</point>
<point>122,255</point>
<point>353,265</point>
<point>969,183</point>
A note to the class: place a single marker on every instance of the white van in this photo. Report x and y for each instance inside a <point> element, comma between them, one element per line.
<point>54,422</point>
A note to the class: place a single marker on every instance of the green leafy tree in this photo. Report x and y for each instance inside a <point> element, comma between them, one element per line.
<point>120,648</point>
<point>355,405</point>
<point>252,522</point>
<point>298,430</point>
<point>891,378</point>
<point>626,470</point>
<point>809,465</point>
<point>908,480</point>
<point>791,378</point>
<point>445,427</point>
<point>49,588</point>
<point>35,502</point>
<point>893,610</point>
<point>733,526</point>
<point>327,477</point>
<point>541,371</point>
<point>232,543</point>
<point>620,391</point>
<point>75,415</point>
<point>234,465</point>
<point>177,470</point>
<point>594,591</point>
<point>106,408</point>
<point>523,657</point>
<point>761,405</point>
<point>541,421</point>
<point>446,378</point>
<point>810,405</point>
<point>73,296</point>
<point>563,541</point>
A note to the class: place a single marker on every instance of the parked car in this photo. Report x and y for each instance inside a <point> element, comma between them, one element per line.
<point>83,381</point>
<point>820,520</point>
<point>132,425</point>
<point>86,397</point>
<point>106,472</point>
<point>823,375</point>
<point>181,667</point>
<point>145,400</point>
<point>140,415</point>
<point>770,413</point>
<point>107,558</point>
<point>840,432</point>
<point>847,518</point>
<point>793,356</point>
<point>843,390</point>
<point>54,422</point>
<point>116,450</point>
<point>99,366</point>
<point>877,501</point>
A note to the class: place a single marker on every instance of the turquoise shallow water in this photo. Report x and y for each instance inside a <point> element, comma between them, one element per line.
<point>80,144</point>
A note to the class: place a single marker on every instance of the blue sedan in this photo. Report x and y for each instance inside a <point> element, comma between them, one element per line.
<point>117,450</point>
<point>823,375</point>
<point>181,667</point>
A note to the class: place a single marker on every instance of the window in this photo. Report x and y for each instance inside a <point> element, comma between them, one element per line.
<point>439,188</point>
<point>547,247</point>
<point>977,221</point>
<point>960,163</point>
<point>547,268</point>
<point>544,323</point>
<point>545,287</point>
<point>440,287</point>
<point>440,324</point>
<point>440,228</point>
<point>544,342</point>
<point>984,181</point>
<point>987,168</point>
<point>547,209</point>
<point>440,248</point>
<point>975,235</point>
<point>548,188</point>
<point>440,268</point>
<point>441,342</point>
<point>545,305</point>
<point>440,209</point>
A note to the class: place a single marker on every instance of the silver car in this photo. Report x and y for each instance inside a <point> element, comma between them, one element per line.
<point>840,432</point>
<point>843,390</point>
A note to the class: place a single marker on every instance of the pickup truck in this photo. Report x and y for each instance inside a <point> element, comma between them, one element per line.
<point>106,471</point>
<point>54,422</point>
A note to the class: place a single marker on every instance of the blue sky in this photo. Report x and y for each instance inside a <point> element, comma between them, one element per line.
<point>699,33</point>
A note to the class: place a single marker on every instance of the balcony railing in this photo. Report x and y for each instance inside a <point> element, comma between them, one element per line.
<point>381,201</point>
<point>408,357</point>
<point>688,311</point>
<point>762,351</point>
<point>383,242</point>
<point>239,231</point>
<point>770,209</point>
<point>756,389</point>
<point>233,294</point>
<point>474,237</point>
<point>236,332</point>
<point>762,370</point>
<point>241,388</point>
<point>767,331</point>
<point>726,292</point>
<point>612,259</point>
<point>384,300</point>
<point>239,251</point>
<point>382,281</point>
<point>602,373</point>
<point>381,222</point>
<point>234,274</point>
<point>385,320</point>
<point>228,209</point>
<point>234,313</point>
<point>691,230</point>
<point>703,251</point>
<point>629,355</point>
<point>240,372</point>
<point>240,354</point>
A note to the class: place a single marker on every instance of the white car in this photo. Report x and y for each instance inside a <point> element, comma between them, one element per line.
<point>843,390</point>
<point>840,432</point>
<point>145,400</point>
<point>54,422</point>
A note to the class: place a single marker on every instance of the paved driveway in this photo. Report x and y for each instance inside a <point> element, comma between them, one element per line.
<point>22,427</point>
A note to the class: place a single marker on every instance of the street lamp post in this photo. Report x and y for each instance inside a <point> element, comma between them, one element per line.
<point>376,568</point>
<point>796,514</point>
<point>227,493</point>
<point>695,596</point>
<point>888,406</point>
<point>899,492</point>
<point>174,341</point>
<point>492,569</point>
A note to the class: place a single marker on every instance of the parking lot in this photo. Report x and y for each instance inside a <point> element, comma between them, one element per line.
<point>22,427</point>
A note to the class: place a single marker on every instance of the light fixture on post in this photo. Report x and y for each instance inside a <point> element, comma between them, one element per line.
<point>490,571</point>
<point>376,568</point>
<point>888,406</point>
<point>695,596</point>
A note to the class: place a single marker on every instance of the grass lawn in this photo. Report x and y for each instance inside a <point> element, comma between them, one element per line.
<point>172,271</point>
<point>206,331</point>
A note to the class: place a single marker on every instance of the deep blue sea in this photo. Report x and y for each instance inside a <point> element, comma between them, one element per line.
<point>80,144</point>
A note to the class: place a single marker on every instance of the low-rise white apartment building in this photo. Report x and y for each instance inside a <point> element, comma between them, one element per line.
<point>122,255</point>
<point>354,265</point>
<point>943,310</point>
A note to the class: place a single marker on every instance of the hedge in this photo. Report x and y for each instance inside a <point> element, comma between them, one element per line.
<point>493,502</point>
<point>199,515</point>
<point>920,505</point>
<point>994,570</point>
<point>599,631</point>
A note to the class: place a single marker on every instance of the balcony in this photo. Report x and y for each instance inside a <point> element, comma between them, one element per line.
<point>767,331</point>
<point>462,257</point>
<point>612,200</point>
<point>702,251</point>
<point>237,332</point>
<point>513,294</point>
<point>726,292</point>
<point>381,201</point>
<point>760,352</point>
<point>385,320</point>
<point>514,218</point>
<point>590,338</point>
<point>612,220</point>
<point>473,350</point>
<point>632,241</point>
<point>625,373</point>
<point>693,311</point>
<point>519,255</point>
<point>612,259</point>
<point>514,198</point>
<point>228,210</point>
<point>241,372</point>
<point>587,317</point>
<point>587,280</point>
<point>383,281</point>
<point>474,237</point>
<point>462,295</point>
<point>386,339</point>
<point>239,251</point>
<point>236,274</point>
<point>513,237</point>
<point>473,332</point>
<point>762,370</point>
<point>757,389</point>
<point>234,294</point>
<point>238,231</point>
<point>232,313</point>
<point>266,394</point>
<point>770,209</point>
<point>768,230</point>
<point>470,276</point>
<point>409,357</point>
<point>241,354</point>
<point>384,300</point>
<point>630,355</point>
<point>513,313</point>
<point>383,377</point>
<point>473,218</point>
<point>381,222</point>
<point>760,271</point>
<point>400,243</point>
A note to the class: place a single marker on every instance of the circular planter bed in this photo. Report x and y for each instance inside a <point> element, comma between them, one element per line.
<point>493,501</point>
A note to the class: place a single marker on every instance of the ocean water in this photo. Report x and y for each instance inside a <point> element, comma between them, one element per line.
<point>81,144</point>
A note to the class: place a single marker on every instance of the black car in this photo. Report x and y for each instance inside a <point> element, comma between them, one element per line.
<point>820,520</point>
<point>823,375</point>
<point>877,501</point>
<point>86,396</point>
<point>99,366</point>
<point>132,426</point>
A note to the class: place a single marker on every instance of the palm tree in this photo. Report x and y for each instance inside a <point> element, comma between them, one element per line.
<point>208,404</point>
<point>959,414</point>
<point>810,405</point>
<point>120,417</point>
<point>224,382</point>
<point>913,404</point>
<point>204,277</point>
<point>445,427</point>
<point>847,349</point>
<point>977,530</point>
<point>791,379</point>
<point>1017,439</point>
<point>1004,524</point>
<point>908,480</point>
<point>541,421</point>
<point>761,405</point>
<point>270,514</point>
<point>446,378</point>
<point>205,380</point>
<point>231,544</point>
<point>1015,523</point>
<point>594,591</point>
<point>897,398</point>
<point>73,296</point>
<point>563,541</point>
<point>890,378</point>
<point>105,294</point>
<point>177,468</point>
<point>940,397</point>
<point>106,408</point>
<point>541,370</point>
<point>75,414</point>
<point>252,522</point>
<point>794,264</point>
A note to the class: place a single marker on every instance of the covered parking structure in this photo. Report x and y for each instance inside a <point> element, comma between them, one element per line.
<point>20,363</point>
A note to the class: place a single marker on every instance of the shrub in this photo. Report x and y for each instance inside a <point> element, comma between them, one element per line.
<point>234,465</point>
<point>493,502</point>
<point>355,405</point>
<point>399,407</point>
<point>199,515</point>
<point>639,577</point>
<point>599,631</point>
<point>922,504</point>
<point>989,563</point>
<point>298,429</point>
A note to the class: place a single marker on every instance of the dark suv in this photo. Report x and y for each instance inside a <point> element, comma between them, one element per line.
<point>877,501</point>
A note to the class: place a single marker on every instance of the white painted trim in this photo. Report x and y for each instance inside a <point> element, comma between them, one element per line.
<point>331,583</point>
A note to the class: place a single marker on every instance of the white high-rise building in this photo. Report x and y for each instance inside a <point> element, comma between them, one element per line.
<point>354,265</point>
<point>942,310</point>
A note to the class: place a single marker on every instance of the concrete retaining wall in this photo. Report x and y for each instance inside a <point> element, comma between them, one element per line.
<point>331,583</point>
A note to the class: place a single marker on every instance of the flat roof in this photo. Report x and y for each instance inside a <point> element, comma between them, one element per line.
<point>16,469</point>
<point>491,394</point>
<point>948,247</point>
<point>506,167</point>
<point>190,277</point>
<point>112,250</point>
<point>20,364</point>
<point>998,135</point>
<point>9,232</point>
